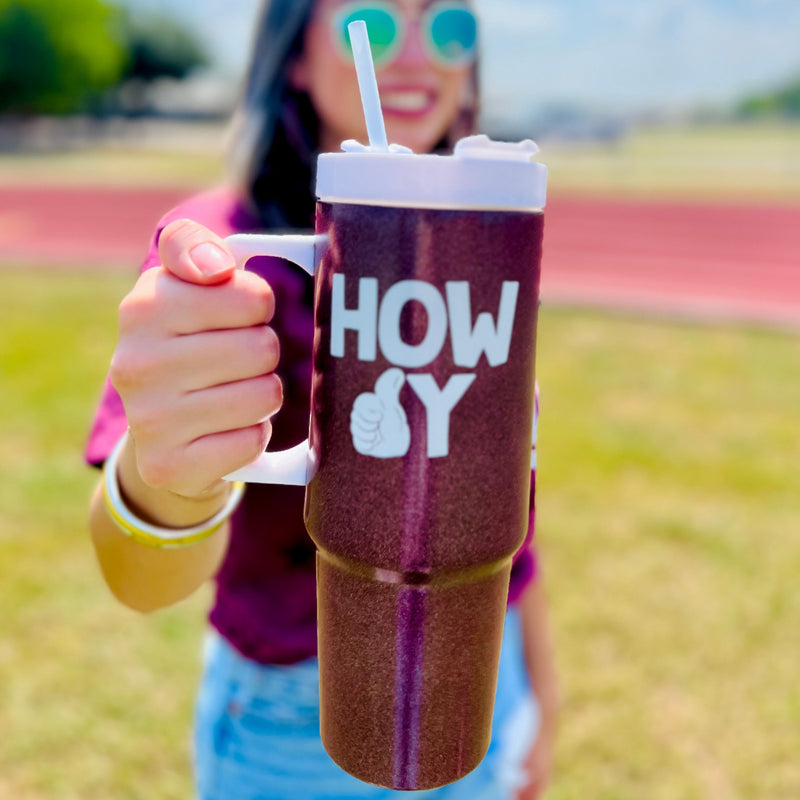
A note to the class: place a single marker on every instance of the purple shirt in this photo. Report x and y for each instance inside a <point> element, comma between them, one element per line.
<point>266,588</point>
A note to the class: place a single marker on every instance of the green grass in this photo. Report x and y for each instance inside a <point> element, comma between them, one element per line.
<point>736,163</point>
<point>668,524</point>
<point>117,166</point>
<point>669,515</point>
<point>94,700</point>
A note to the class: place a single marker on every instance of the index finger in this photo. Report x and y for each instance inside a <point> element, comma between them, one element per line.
<point>245,300</point>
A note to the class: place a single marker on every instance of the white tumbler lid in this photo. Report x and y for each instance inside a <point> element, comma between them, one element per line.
<point>481,174</point>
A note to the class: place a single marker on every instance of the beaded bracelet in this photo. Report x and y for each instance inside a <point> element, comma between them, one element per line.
<point>154,535</point>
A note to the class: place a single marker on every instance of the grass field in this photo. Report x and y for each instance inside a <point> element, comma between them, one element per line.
<point>737,163</point>
<point>668,522</point>
<point>141,153</point>
<point>758,161</point>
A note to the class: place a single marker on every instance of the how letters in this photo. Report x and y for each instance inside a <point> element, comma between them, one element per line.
<point>378,423</point>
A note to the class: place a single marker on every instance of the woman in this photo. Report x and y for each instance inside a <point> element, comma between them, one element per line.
<point>194,386</point>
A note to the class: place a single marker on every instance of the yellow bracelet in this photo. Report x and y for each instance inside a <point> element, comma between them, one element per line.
<point>153,535</point>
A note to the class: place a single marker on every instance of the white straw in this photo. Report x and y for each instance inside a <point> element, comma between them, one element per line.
<point>368,85</point>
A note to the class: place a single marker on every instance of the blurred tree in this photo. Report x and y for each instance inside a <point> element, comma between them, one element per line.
<point>61,56</point>
<point>784,102</point>
<point>157,47</point>
<point>56,55</point>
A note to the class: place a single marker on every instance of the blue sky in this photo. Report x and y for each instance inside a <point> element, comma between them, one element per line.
<point>610,55</point>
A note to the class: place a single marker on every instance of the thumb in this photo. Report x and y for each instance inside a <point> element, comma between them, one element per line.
<point>195,254</point>
<point>388,386</point>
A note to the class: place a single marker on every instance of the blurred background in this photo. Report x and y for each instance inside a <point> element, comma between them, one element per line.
<point>668,355</point>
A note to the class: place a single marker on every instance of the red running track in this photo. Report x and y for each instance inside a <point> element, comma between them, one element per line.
<point>707,260</point>
<point>702,261</point>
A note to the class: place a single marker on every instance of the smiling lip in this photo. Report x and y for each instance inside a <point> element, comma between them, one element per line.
<point>407,101</point>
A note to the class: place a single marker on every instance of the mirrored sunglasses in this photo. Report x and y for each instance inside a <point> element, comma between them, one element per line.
<point>449,31</point>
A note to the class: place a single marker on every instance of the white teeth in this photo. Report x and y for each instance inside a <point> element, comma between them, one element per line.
<point>405,101</point>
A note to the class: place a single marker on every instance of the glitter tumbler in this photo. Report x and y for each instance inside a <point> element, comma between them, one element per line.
<point>418,459</point>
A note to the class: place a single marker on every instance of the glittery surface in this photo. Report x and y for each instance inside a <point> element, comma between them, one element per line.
<point>415,552</point>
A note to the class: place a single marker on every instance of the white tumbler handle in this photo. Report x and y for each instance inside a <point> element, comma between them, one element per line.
<point>296,466</point>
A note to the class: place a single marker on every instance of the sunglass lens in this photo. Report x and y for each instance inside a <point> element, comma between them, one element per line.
<point>454,34</point>
<point>381,27</point>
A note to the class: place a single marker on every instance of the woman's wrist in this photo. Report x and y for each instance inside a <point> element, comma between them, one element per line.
<point>162,507</point>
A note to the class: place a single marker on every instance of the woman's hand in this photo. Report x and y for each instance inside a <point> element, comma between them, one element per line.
<point>538,766</point>
<point>194,364</point>
<point>539,658</point>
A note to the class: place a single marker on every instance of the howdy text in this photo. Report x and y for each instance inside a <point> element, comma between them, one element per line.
<point>378,422</point>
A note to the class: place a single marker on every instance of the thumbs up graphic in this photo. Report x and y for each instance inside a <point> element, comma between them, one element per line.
<point>378,424</point>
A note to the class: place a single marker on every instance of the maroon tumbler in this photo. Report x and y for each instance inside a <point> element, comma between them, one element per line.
<point>418,460</point>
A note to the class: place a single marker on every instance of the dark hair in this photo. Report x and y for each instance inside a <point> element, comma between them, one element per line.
<point>275,132</point>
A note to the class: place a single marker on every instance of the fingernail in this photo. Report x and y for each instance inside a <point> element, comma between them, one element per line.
<point>210,258</point>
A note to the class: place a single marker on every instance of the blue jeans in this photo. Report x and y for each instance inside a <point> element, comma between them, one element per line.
<point>257,733</point>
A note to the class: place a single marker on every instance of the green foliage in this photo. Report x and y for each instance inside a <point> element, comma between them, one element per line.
<point>783,103</point>
<point>59,56</point>
<point>160,47</point>
<point>56,55</point>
